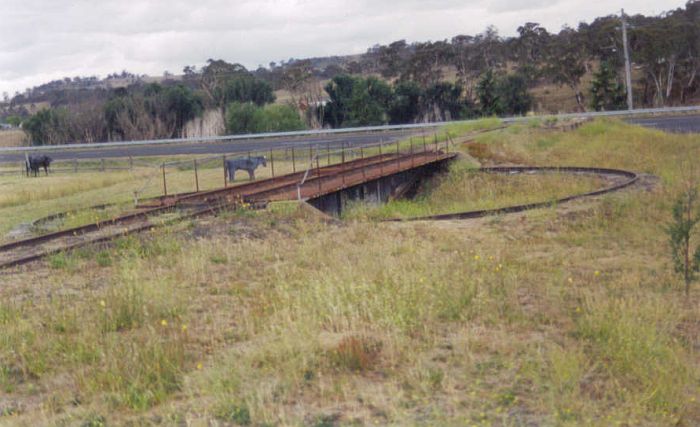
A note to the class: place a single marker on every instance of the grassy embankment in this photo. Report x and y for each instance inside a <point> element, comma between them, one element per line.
<point>554,317</point>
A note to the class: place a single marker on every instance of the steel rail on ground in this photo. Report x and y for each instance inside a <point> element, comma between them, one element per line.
<point>631,178</point>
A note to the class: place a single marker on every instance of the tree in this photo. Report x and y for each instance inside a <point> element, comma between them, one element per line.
<point>566,62</point>
<point>305,91</point>
<point>468,62</point>
<point>690,60</point>
<point>340,90</point>
<point>607,92</point>
<point>443,101</point>
<point>243,118</point>
<point>181,105</point>
<point>246,88</point>
<point>369,102</point>
<point>426,65</point>
<point>486,91</point>
<point>680,232</point>
<point>47,127</point>
<point>530,50</point>
<point>214,77</point>
<point>513,96</point>
<point>282,118</point>
<point>489,47</point>
<point>657,45</point>
<point>392,58</point>
<point>14,120</point>
<point>153,112</point>
<point>405,106</point>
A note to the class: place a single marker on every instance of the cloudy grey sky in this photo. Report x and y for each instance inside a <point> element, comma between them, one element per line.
<point>41,40</point>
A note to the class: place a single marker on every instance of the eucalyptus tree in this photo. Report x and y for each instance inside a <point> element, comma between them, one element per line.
<point>566,62</point>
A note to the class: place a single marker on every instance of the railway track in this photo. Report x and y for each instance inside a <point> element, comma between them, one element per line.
<point>621,179</point>
<point>316,181</point>
<point>319,180</point>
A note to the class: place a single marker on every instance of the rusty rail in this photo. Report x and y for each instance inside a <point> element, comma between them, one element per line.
<point>631,178</point>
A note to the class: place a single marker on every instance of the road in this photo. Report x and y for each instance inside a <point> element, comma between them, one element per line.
<point>686,123</point>
<point>682,124</point>
<point>218,147</point>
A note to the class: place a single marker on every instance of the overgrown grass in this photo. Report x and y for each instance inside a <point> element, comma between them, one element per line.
<point>568,316</point>
<point>464,188</point>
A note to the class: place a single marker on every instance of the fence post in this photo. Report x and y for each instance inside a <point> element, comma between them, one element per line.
<point>294,166</point>
<point>425,147</point>
<point>196,176</point>
<point>328,150</point>
<point>342,157</point>
<point>131,163</point>
<point>362,156</point>
<point>412,160</point>
<point>436,145</point>
<point>381,161</point>
<point>311,154</point>
<point>224,163</point>
<point>272,163</point>
<point>102,165</point>
<point>165,186</point>
<point>398,155</point>
<point>75,165</point>
<point>318,170</point>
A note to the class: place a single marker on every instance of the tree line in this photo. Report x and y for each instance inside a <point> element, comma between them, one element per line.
<point>466,76</point>
<point>154,111</point>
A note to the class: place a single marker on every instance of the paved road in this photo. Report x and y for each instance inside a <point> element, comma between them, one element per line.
<point>683,124</point>
<point>219,147</point>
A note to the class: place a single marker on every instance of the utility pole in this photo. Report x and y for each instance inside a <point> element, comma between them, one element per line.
<point>628,68</point>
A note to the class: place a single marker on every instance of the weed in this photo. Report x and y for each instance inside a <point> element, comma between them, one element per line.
<point>356,354</point>
<point>103,258</point>
<point>234,413</point>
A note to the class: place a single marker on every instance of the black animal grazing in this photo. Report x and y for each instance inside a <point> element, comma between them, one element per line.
<point>248,164</point>
<point>34,163</point>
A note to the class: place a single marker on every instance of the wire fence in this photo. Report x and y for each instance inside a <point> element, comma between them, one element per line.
<point>156,177</point>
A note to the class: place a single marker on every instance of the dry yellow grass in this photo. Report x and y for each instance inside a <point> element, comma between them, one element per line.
<point>568,316</point>
<point>12,138</point>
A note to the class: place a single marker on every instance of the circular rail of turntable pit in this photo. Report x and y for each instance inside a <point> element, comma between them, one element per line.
<point>623,178</point>
<point>322,180</point>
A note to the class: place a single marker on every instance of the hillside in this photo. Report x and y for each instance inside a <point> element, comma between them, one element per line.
<point>464,77</point>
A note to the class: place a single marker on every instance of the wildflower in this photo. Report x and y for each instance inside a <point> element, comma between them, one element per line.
<point>596,273</point>
<point>199,366</point>
<point>103,304</point>
<point>164,322</point>
<point>578,309</point>
<point>476,257</point>
<point>490,257</point>
<point>570,280</point>
<point>500,266</point>
<point>184,328</point>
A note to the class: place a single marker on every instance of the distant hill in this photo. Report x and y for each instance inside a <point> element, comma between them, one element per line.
<point>468,75</point>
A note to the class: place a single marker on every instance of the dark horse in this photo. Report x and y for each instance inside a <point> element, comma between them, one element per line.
<point>34,163</point>
<point>248,164</point>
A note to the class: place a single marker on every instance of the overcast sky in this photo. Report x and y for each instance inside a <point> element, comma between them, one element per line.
<point>42,40</point>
